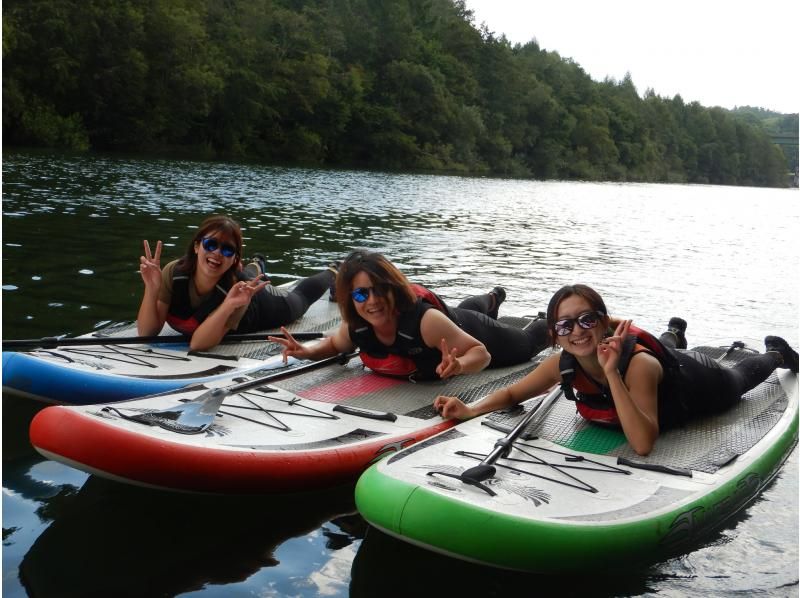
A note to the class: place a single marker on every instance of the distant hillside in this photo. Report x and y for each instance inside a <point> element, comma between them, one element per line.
<point>391,84</point>
<point>775,124</point>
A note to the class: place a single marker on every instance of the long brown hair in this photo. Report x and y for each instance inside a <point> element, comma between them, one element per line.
<point>384,276</point>
<point>225,228</point>
<point>587,293</point>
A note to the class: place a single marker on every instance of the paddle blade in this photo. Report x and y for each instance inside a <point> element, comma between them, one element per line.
<point>193,417</point>
<point>479,473</point>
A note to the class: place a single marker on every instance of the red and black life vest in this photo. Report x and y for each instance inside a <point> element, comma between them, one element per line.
<point>408,354</point>
<point>181,315</point>
<point>594,401</point>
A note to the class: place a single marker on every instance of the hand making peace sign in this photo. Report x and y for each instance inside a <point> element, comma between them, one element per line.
<point>150,266</point>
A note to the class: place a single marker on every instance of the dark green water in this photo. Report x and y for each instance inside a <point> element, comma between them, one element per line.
<point>726,259</point>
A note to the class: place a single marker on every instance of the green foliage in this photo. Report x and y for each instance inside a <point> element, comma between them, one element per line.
<point>400,84</point>
<point>45,127</point>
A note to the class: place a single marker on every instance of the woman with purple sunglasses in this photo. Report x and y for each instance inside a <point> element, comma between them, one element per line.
<point>208,293</point>
<point>406,330</point>
<point>624,376</point>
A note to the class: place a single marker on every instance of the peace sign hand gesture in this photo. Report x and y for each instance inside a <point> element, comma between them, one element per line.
<point>291,348</point>
<point>450,365</point>
<point>150,267</point>
<point>242,292</point>
<point>610,348</point>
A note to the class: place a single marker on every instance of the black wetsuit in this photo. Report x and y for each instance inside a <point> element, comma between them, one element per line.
<point>273,306</point>
<point>693,384</point>
<point>506,344</point>
<point>705,387</point>
<point>268,309</point>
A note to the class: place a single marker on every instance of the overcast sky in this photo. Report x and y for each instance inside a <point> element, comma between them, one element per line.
<point>716,52</point>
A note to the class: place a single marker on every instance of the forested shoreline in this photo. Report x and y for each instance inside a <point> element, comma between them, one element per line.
<point>391,84</point>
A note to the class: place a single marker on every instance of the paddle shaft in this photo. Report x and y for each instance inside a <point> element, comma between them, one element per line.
<point>197,415</point>
<point>341,358</point>
<point>51,342</point>
<point>502,446</point>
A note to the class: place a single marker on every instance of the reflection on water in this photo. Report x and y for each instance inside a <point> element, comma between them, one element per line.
<point>723,258</point>
<point>141,542</point>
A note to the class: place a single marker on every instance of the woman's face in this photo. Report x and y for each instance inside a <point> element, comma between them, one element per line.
<point>580,341</point>
<point>216,253</point>
<point>375,309</point>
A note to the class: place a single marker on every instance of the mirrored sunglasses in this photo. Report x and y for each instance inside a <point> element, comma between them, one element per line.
<point>361,294</point>
<point>586,320</point>
<point>211,244</point>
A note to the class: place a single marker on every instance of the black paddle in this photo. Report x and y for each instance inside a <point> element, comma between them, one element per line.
<point>51,342</point>
<point>485,469</point>
<point>734,345</point>
<point>195,416</point>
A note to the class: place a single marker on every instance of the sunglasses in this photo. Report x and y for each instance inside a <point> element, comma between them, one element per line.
<point>586,320</point>
<point>361,294</point>
<point>211,244</point>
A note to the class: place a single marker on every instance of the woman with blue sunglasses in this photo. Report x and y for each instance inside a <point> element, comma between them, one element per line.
<point>624,376</point>
<point>406,330</point>
<point>208,293</point>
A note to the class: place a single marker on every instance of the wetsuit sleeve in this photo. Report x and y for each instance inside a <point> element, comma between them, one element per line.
<point>165,293</point>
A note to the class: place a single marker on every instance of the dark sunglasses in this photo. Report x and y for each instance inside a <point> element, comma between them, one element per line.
<point>361,294</point>
<point>586,320</point>
<point>211,244</point>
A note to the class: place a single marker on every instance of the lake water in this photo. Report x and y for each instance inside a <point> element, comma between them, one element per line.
<point>725,259</point>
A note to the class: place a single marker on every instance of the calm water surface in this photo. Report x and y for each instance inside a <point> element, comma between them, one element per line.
<point>725,259</point>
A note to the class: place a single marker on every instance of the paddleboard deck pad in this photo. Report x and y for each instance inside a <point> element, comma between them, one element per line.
<point>83,375</point>
<point>314,430</point>
<point>571,495</point>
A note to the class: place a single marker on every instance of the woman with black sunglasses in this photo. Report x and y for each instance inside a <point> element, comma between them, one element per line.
<point>624,376</point>
<point>208,293</point>
<point>406,330</point>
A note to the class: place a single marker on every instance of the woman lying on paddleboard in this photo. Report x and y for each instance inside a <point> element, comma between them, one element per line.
<point>207,293</point>
<point>404,329</point>
<point>624,376</point>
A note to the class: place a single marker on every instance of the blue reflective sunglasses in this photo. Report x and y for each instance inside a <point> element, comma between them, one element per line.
<point>211,244</point>
<point>361,294</point>
<point>586,320</point>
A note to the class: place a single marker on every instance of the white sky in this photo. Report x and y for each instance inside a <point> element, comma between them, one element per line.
<point>717,52</point>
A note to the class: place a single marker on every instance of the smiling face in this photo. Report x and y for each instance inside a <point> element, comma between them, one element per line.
<point>367,269</point>
<point>378,309</point>
<point>213,264</point>
<point>581,342</point>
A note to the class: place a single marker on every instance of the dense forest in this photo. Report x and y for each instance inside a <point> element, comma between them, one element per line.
<point>392,84</point>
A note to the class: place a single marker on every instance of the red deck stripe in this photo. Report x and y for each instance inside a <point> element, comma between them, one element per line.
<point>347,389</point>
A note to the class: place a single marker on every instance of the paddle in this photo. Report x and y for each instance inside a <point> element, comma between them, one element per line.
<point>734,345</point>
<point>197,415</point>
<point>51,342</point>
<point>485,469</point>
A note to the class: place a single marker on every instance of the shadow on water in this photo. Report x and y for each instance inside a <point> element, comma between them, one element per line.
<point>111,539</point>
<point>18,412</point>
<point>374,573</point>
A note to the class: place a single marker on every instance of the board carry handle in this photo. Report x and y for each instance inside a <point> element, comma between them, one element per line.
<point>52,342</point>
<point>379,415</point>
<point>486,469</point>
<point>681,471</point>
<point>197,415</point>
